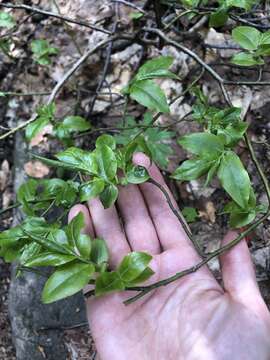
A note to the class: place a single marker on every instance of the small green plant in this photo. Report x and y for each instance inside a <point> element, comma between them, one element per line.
<point>255,44</point>
<point>219,17</point>
<point>190,214</point>
<point>42,51</point>
<point>213,154</point>
<point>147,92</point>
<point>6,20</point>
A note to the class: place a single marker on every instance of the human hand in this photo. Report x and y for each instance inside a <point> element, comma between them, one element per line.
<point>193,318</point>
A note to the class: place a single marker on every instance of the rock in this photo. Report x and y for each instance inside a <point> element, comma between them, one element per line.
<point>37,328</point>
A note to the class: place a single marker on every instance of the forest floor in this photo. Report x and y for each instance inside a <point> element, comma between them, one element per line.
<point>25,76</point>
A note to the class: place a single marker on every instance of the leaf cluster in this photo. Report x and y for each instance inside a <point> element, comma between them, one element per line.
<point>213,154</point>
<point>77,258</point>
<point>43,51</point>
<point>152,139</point>
<point>144,90</point>
<point>255,43</point>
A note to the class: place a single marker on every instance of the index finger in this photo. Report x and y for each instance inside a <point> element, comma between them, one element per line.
<point>170,232</point>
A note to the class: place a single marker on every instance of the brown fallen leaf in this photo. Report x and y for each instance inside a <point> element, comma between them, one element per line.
<point>36,169</point>
<point>210,212</point>
<point>6,198</point>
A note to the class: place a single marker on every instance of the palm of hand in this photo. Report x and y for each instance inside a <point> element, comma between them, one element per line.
<point>192,318</point>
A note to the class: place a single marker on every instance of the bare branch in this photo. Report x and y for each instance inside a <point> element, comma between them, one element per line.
<point>129,4</point>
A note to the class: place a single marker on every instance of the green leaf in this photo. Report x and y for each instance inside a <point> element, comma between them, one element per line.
<point>263,50</point>
<point>45,114</point>
<point>108,282</point>
<point>234,178</point>
<point>190,214</point>
<point>242,219</point>
<point>265,38</point>
<point>67,195</point>
<point>136,15</point>
<point>262,208</point>
<point>204,144</point>
<point>109,196</point>
<point>47,111</point>
<point>244,4</point>
<point>145,275</point>
<point>150,95</point>
<point>51,244</point>
<point>212,171</point>
<point>107,163</point>
<point>246,59</point>
<point>74,229</point>
<point>133,265</point>
<point>233,132</point>
<point>70,125</point>
<point>47,258</point>
<point>154,138</point>
<point>12,236</point>
<point>6,20</point>
<point>35,127</point>
<point>107,140</point>
<point>225,117</point>
<point>218,18</point>
<point>55,163</point>
<point>26,193</point>
<point>83,244</point>
<point>247,37</point>
<point>79,159</point>
<point>156,68</point>
<point>66,281</point>
<point>42,51</point>
<point>192,169</point>
<point>91,189</point>
<point>99,253</point>
<point>28,251</point>
<point>137,175</point>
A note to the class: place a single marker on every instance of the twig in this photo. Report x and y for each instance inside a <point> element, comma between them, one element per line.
<point>146,289</point>
<point>9,208</point>
<point>57,16</point>
<point>76,326</point>
<point>258,167</point>
<point>10,93</point>
<point>105,70</point>
<point>221,47</point>
<point>130,5</point>
<point>249,23</point>
<point>13,31</point>
<point>177,17</point>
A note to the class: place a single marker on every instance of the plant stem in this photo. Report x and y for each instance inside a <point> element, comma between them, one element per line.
<point>179,216</point>
<point>258,167</point>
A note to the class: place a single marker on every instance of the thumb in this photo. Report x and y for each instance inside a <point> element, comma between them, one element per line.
<point>238,272</point>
